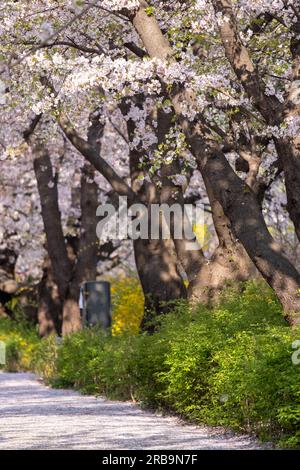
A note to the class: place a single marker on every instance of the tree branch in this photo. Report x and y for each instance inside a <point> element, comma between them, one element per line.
<point>241,62</point>
<point>89,152</point>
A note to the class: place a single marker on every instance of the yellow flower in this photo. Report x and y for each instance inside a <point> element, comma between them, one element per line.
<point>128,305</point>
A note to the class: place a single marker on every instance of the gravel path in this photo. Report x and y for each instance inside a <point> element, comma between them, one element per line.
<point>33,416</point>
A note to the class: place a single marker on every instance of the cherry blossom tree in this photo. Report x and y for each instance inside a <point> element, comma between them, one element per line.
<point>181,84</point>
<point>232,193</point>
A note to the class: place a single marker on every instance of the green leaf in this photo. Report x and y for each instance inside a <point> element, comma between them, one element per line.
<point>149,11</point>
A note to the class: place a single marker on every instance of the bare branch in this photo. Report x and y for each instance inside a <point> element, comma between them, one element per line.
<point>31,128</point>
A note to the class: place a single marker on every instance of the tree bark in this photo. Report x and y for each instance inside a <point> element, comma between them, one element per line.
<point>240,206</point>
<point>67,273</point>
<point>49,303</point>
<point>86,264</point>
<point>156,260</point>
<point>229,262</point>
<point>160,280</point>
<point>57,272</point>
<point>70,269</point>
<point>56,247</point>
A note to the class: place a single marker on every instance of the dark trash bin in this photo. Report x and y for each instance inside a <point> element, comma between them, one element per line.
<point>96,303</point>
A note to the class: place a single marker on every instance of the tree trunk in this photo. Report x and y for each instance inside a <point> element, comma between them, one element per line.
<point>56,247</point>
<point>49,303</point>
<point>229,263</point>
<point>240,206</point>
<point>160,280</point>
<point>289,149</point>
<point>58,274</point>
<point>156,260</point>
<point>157,267</point>
<point>87,257</point>
<point>68,272</point>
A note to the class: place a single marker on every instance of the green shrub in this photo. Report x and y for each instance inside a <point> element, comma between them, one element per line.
<point>75,357</point>
<point>227,366</point>
<point>44,358</point>
<point>21,339</point>
<point>230,365</point>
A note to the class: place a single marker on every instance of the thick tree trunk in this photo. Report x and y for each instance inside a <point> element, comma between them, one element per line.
<point>236,198</point>
<point>86,265</point>
<point>160,280</point>
<point>56,247</point>
<point>156,260</point>
<point>59,273</point>
<point>225,268</point>
<point>157,267</point>
<point>240,206</point>
<point>229,262</point>
<point>69,272</point>
<point>49,303</point>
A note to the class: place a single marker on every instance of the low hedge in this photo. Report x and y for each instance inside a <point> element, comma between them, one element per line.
<point>230,365</point>
<point>20,340</point>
